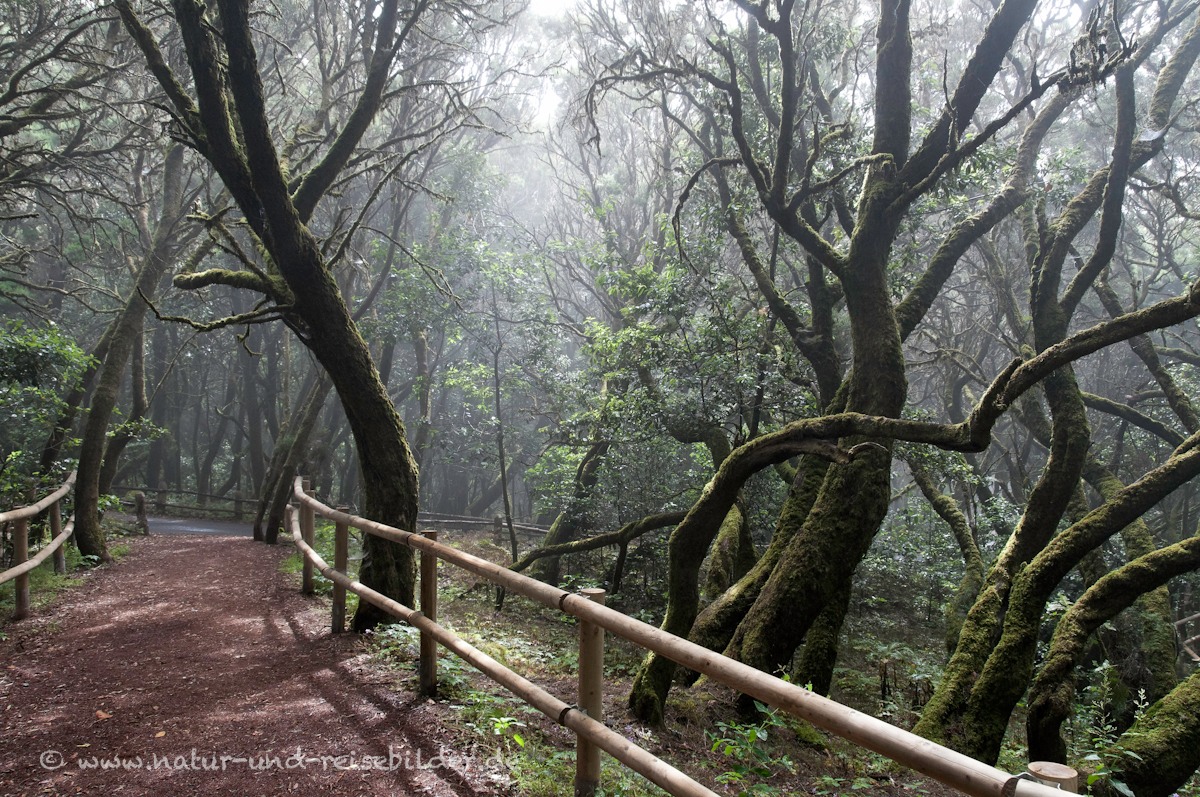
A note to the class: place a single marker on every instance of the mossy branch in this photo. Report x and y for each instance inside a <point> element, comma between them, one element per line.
<point>1133,416</point>
<point>245,280</point>
<point>622,536</point>
<point>261,315</point>
<point>1051,696</point>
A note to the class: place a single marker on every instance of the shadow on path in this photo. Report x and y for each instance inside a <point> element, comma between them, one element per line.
<point>194,666</point>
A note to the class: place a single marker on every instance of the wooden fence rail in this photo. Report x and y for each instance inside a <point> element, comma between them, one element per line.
<point>241,504</point>
<point>22,563</point>
<point>1180,625</point>
<point>947,766</point>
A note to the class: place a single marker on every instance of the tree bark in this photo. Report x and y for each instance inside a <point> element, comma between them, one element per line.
<point>126,328</point>
<point>1161,751</point>
<point>1052,694</point>
<point>227,122</point>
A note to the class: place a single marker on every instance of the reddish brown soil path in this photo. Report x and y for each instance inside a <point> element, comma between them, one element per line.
<point>194,667</point>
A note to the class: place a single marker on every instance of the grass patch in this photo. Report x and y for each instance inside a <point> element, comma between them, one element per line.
<point>45,585</point>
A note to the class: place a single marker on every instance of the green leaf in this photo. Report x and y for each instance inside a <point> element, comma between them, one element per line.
<point>1121,787</point>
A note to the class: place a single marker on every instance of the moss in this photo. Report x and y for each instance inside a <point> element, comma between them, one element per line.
<point>815,668</point>
<point>715,626</point>
<point>732,557</point>
<point>1053,691</point>
<point>1162,750</point>
<point>648,695</point>
<point>817,561</point>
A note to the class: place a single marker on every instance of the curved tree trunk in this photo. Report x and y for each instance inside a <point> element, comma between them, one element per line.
<point>716,624</point>
<point>1052,694</point>
<point>992,664</point>
<point>571,522</point>
<point>228,122</point>
<point>1161,751</point>
<point>732,555</point>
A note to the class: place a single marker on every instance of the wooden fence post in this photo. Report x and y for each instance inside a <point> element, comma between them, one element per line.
<point>20,557</point>
<point>1052,774</point>
<point>429,595</point>
<point>60,555</point>
<point>139,509</point>
<point>591,698</point>
<point>308,532</point>
<point>341,556</point>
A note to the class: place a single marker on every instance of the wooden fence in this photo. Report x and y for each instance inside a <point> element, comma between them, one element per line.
<point>22,564</point>
<point>1180,625</point>
<point>241,505</point>
<point>954,769</point>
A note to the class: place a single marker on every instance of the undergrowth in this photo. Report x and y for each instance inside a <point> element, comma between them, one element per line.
<point>767,753</point>
<point>45,585</point>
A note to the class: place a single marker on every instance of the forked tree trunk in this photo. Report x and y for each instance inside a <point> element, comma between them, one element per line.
<point>126,329</point>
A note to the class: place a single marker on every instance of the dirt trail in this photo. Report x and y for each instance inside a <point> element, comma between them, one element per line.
<point>195,678</point>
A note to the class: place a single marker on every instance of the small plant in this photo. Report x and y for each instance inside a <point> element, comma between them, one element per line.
<point>1107,754</point>
<point>502,725</point>
<point>397,641</point>
<point>828,784</point>
<point>746,746</point>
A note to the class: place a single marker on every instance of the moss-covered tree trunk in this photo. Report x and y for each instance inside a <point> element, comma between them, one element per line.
<point>732,555</point>
<point>992,664</point>
<point>715,625</point>
<point>1052,694</point>
<point>1158,754</point>
<point>126,329</point>
<point>1148,639</point>
<point>572,521</point>
<point>228,124</point>
<point>820,560</point>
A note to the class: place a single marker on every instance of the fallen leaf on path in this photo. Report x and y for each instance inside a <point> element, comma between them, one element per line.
<point>101,714</point>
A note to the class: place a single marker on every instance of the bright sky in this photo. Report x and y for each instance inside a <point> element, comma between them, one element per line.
<point>550,8</point>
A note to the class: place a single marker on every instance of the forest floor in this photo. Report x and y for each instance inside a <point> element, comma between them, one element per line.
<point>194,666</point>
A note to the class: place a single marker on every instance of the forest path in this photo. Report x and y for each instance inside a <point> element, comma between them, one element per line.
<point>194,666</point>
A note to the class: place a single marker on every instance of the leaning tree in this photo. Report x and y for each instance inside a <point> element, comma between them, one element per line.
<point>286,117</point>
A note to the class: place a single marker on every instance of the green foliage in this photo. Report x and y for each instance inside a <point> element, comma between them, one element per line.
<point>751,760</point>
<point>38,366</point>
<point>913,564</point>
<point>829,784</point>
<point>45,585</point>
<point>1105,756</point>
